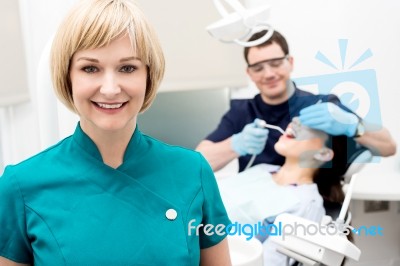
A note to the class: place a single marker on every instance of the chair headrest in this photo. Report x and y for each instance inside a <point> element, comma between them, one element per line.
<point>356,162</point>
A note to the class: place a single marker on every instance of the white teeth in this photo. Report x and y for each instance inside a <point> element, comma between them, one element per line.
<point>109,106</point>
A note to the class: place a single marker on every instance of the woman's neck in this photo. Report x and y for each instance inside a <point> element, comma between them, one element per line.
<point>292,172</point>
<point>112,145</point>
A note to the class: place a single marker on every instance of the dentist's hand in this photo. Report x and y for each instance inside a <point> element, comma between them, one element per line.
<point>329,118</point>
<point>251,140</point>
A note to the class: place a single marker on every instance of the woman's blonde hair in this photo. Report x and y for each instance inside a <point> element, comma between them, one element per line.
<point>95,23</point>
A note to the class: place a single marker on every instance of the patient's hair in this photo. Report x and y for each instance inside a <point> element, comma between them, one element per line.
<point>275,38</point>
<point>94,24</point>
<point>330,175</point>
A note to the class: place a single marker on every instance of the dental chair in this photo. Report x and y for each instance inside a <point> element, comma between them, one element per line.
<point>318,249</point>
<point>323,248</point>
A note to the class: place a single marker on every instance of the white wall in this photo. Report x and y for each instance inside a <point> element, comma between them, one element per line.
<point>12,90</point>
<point>19,130</point>
<point>194,60</point>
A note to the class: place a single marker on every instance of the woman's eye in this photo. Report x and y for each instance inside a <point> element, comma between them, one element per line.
<point>90,69</point>
<point>128,69</point>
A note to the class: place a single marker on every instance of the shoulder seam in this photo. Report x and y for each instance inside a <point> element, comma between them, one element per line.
<point>55,239</point>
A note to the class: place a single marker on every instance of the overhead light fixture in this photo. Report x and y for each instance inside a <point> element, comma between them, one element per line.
<point>241,24</point>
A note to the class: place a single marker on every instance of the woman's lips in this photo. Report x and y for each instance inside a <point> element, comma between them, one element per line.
<point>109,107</point>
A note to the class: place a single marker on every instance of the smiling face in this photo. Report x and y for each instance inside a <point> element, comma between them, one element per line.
<point>270,79</point>
<point>108,86</point>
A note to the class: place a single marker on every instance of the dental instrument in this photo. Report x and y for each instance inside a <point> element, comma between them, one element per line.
<point>262,124</point>
<point>237,26</point>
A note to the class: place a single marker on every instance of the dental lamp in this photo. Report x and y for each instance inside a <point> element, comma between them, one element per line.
<point>241,24</point>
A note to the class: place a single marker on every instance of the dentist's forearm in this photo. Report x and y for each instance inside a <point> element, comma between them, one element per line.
<point>380,142</point>
<point>218,154</point>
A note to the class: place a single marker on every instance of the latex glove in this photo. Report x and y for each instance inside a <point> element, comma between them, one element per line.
<point>251,140</point>
<point>329,118</point>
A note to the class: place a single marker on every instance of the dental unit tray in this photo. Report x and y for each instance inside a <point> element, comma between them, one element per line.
<point>315,249</point>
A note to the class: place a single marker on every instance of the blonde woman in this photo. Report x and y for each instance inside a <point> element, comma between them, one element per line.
<point>108,194</point>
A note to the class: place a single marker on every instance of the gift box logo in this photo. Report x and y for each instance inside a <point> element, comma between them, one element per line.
<point>356,89</point>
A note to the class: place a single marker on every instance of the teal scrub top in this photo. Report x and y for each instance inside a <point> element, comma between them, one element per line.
<point>64,206</point>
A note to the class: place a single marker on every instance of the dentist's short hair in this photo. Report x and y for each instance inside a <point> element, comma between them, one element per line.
<point>275,38</point>
<point>95,23</point>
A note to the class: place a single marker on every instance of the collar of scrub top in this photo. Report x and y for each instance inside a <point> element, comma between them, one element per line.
<point>134,149</point>
<point>237,26</point>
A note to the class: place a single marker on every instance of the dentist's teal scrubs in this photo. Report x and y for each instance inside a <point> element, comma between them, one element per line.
<point>64,206</point>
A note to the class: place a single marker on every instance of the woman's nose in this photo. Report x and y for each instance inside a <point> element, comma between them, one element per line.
<point>109,86</point>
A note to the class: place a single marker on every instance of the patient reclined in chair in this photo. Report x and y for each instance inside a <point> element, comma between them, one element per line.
<point>309,180</point>
<point>253,195</point>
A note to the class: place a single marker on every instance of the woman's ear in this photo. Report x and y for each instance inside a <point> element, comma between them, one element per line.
<point>324,155</point>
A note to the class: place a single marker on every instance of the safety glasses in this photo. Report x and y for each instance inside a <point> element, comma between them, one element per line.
<point>273,63</point>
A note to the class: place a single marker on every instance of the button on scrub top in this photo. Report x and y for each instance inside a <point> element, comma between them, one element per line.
<point>64,206</point>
